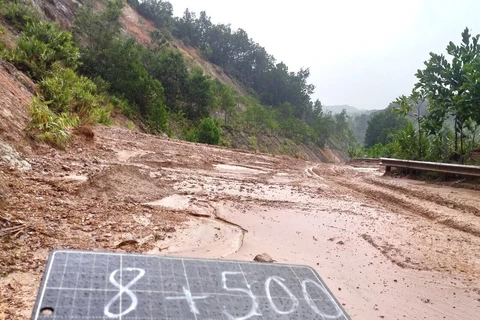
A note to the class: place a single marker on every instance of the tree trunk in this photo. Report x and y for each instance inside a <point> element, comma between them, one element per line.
<point>461,144</point>
<point>420,151</point>
<point>456,135</point>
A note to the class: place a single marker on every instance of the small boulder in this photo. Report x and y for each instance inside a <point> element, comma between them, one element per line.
<point>264,257</point>
<point>127,243</point>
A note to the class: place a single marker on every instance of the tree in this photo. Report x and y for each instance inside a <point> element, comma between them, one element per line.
<point>159,11</point>
<point>226,99</point>
<point>208,132</point>
<point>450,88</point>
<point>169,67</point>
<point>413,106</point>
<point>382,127</point>
<point>95,30</point>
<point>198,95</point>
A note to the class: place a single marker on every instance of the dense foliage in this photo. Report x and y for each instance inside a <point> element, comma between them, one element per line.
<point>208,132</point>
<point>65,99</point>
<point>281,102</point>
<point>383,126</point>
<point>83,74</point>
<point>442,113</point>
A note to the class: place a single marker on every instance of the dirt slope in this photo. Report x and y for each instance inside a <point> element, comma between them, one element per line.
<point>16,91</point>
<point>388,248</point>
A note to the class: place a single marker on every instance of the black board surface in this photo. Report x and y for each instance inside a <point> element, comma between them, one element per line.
<point>97,285</point>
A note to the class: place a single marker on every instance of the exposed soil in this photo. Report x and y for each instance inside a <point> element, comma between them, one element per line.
<point>388,248</point>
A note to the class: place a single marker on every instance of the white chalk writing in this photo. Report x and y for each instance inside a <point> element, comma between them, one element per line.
<point>280,281</point>
<point>190,300</point>
<point>123,289</point>
<point>311,303</point>
<point>254,310</point>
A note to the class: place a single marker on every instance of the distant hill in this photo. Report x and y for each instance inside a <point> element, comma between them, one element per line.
<point>337,109</point>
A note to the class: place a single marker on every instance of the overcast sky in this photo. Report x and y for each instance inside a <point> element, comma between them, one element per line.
<point>360,52</point>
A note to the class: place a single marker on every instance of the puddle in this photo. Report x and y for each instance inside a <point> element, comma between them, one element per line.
<point>176,202</point>
<point>180,202</point>
<point>76,178</point>
<point>237,169</point>
<point>204,238</point>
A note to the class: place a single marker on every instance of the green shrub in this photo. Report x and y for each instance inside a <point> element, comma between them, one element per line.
<point>49,127</point>
<point>2,43</point>
<point>130,125</point>
<point>40,47</point>
<point>66,91</point>
<point>102,115</point>
<point>123,106</point>
<point>208,132</point>
<point>157,116</point>
<point>253,143</point>
<point>18,14</point>
<point>191,135</point>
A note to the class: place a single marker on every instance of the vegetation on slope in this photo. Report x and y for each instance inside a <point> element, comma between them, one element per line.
<point>159,86</point>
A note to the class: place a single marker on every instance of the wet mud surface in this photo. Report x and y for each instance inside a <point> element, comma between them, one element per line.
<point>388,248</point>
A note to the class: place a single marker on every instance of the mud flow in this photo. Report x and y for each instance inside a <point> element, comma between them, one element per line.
<point>388,248</point>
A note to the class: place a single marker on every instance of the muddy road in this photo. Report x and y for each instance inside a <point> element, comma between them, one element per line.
<point>388,248</point>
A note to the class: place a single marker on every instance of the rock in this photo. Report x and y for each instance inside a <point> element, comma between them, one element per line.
<point>124,243</point>
<point>66,168</point>
<point>159,236</point>
<point>341,242</point>
<point>12,157</point>
<point>3,194</point>
<point>169,229</point>
<point>96,160</point>
<point>264,257</point>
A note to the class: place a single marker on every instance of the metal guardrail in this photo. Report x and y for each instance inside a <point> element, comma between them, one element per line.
<point>431,166</point>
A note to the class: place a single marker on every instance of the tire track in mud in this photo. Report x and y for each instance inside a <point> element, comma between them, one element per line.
<point>385,250</point>
<point>395,202</point>
<point>427,196</point>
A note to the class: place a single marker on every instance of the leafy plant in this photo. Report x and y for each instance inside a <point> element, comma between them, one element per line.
<point>252,142</point>
<point>208,132</point>
<point>451,85</point>
<point>19,14</point>
<point>40,47</point>
<point>46,126</point>
<point>102,115</point>
<point>408,142</point>
<point>130,125</point>
<point>66,91</point>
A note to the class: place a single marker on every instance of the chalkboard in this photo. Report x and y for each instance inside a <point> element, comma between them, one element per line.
<point>97,285</point>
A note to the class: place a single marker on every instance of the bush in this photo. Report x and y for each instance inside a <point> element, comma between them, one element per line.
<point>102,115</point>
<point>130,125</point>
<point>253,143</point>
<point>2,43</point>
<point>157,116</point>
<point>40,47</point>
<point>19,14</point>
<point>208,132</point>
<point>123,106</point>
<point>49,127</point>
<point>66,91</point>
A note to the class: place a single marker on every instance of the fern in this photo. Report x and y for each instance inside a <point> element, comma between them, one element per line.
<point>48,127</point>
